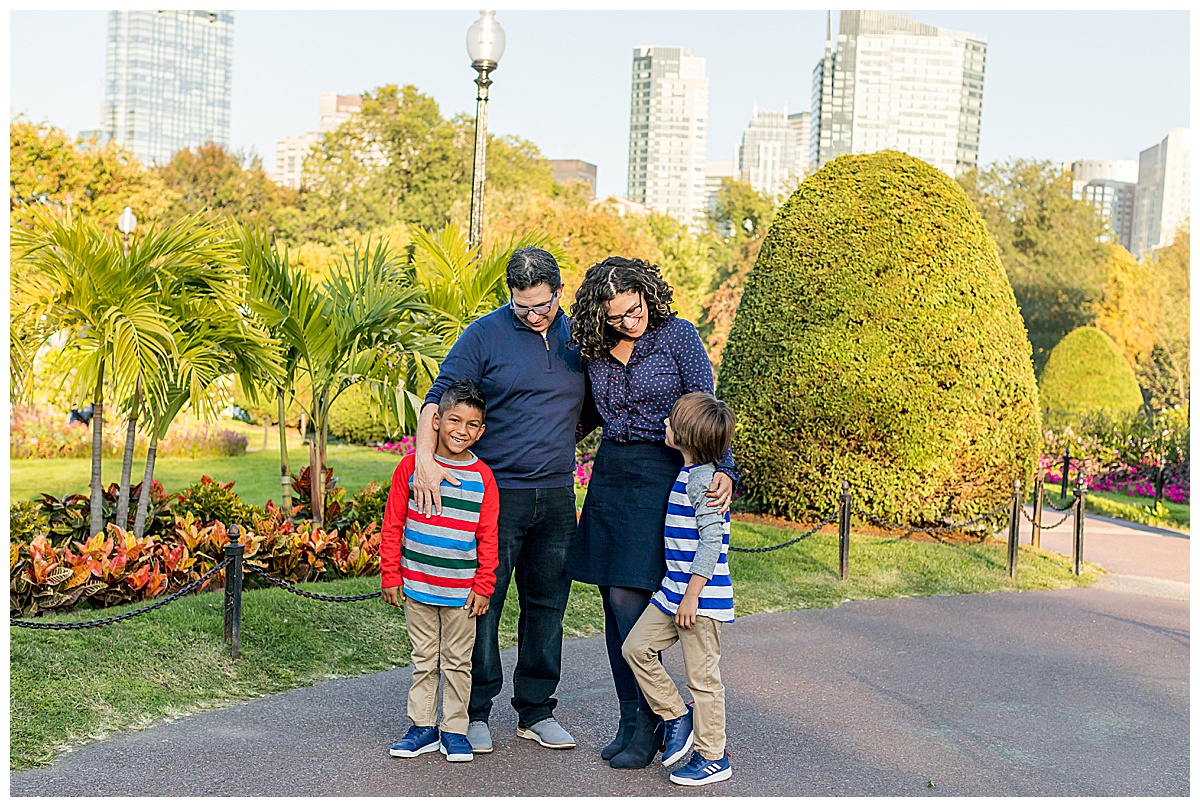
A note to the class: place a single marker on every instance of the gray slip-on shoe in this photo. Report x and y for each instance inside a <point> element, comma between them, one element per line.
<point>548,734</point>
<point>479,736</point>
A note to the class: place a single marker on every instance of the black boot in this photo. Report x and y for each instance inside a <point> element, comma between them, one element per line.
<point>645,743</point>
<point>629,711</point>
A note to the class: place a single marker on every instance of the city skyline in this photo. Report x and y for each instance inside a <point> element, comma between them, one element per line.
<point>1082,60</point>
<point>167,81</point>
<point>891,81</point>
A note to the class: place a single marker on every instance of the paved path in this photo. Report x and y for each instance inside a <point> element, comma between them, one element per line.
<point>1082,692</point>
<point>1140,559</point>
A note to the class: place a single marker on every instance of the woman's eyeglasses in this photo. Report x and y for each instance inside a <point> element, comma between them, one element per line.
<point>633,313</point>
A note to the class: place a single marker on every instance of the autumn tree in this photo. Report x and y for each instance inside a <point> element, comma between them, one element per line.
<point>213,178</point>
<point>737,225</point>
<point>96,181</point>
<point>1049,245</point>
<point>400,161</point>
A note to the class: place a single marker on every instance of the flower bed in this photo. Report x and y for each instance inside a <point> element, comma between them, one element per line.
<point>54,566</point>
<point>43,433</point>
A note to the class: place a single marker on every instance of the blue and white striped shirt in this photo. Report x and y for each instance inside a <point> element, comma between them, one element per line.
<point>684,540</point>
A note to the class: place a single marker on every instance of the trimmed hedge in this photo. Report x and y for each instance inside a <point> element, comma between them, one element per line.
<point>878,341</point>
<point>353,419</point>
<point>1086,373</point>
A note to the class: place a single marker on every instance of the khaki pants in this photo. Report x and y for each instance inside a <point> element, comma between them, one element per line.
<point>442,639</point>
<point>654,632</point>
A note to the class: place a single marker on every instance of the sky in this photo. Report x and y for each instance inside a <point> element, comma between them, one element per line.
<point>1060,85</point>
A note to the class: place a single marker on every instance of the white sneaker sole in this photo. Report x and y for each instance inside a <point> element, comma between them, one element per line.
<point>720,776</point>
<point>530,734</point>
<point>433,746</point>
<point>678,755</point>
<point>455,757</point>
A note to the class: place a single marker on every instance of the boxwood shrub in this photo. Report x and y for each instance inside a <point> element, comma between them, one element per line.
<point>1086,373</point>
<point>878,342</point>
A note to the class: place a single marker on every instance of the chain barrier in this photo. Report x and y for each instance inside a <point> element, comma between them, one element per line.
<point>1029,518</point>
<point>929,530</point>
<point>798,538</point>
<point>275,581</point>
<point>109,620</point>
<point>1070,506</point>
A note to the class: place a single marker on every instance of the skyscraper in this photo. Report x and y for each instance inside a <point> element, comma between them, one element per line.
<point>767,155</point>
<point>1110,187</point>
<point>290,152</point>
<point>714,172</point>
<point>167,81</point>
<point>801,126</point>
<point>668,132</point>
<point>899,84</point>
<point>1164,190</point>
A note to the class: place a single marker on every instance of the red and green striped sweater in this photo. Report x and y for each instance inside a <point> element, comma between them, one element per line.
<point>440,558</point>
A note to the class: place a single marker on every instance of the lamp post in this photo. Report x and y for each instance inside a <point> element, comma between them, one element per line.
<point>127,223</point>
<point>485,46</point>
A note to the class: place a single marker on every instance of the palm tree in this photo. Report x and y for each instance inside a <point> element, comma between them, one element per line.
<point>213,339</point>
<point>271,288</point>
<point>461,284</point>
<point>74,279</point>
<point>363,325</point>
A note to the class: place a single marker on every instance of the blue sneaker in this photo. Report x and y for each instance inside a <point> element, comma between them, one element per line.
<point>701,771</point>
<point>677,738</point>
<point>456,747</point>
<point>419,740</point>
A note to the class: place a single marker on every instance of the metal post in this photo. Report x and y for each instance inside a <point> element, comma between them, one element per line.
<point>1066,469</point>
<point>1039,490</point>
<point>844,531</point>
<point>1014,529</point>
<point>479,173</point>
<point>1158,485</point>
<point>1077,546</point>
<point>233,591</point>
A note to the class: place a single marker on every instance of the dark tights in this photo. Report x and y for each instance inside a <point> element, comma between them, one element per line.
<point>622,608</point>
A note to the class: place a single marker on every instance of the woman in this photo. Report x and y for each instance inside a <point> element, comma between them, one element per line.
<point>640,359</point>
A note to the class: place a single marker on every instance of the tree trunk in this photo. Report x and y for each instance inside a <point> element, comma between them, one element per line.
<point>285,476</point>
<point>122,519</point>
<point>143,505</point>
<point>303,425</point>
<point>316,483</point>
<point>266,429</point>
<point>96,512</point>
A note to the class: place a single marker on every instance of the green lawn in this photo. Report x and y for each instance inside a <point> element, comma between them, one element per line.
<point>1132,508</point>
<point>67,688</point>
<point>256,473</point>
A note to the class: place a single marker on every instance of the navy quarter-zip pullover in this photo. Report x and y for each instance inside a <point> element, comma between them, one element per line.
<point>534,385</point>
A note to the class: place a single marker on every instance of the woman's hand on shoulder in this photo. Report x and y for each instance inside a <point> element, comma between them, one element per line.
<point>720,492</point>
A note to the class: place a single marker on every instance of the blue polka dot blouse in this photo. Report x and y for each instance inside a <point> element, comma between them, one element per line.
<point>633,399</point>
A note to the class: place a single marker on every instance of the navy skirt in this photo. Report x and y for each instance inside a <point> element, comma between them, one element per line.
<point>620,537</point>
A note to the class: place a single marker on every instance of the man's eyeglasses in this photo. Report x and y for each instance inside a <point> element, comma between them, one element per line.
<point>540,310</point>
<point>633,313</point>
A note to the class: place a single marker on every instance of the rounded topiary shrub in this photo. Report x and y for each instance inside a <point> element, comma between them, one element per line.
<point>878,342</point>
<point>352,418</point>
<point>1087,373</point>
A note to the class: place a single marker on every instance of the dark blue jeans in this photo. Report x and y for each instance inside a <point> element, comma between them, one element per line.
<point>536,529</point>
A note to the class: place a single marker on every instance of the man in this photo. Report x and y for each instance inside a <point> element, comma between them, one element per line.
<point>535,387</point>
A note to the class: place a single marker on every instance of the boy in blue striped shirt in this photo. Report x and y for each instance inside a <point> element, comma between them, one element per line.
<point>694,598</point>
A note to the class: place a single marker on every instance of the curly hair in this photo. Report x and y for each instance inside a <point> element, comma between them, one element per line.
<point>603,282</point>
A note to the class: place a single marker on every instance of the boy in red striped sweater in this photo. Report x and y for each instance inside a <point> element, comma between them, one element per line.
<point>443,569</point>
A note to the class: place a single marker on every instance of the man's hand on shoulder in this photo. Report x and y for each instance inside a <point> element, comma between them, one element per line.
<point>427,484</point>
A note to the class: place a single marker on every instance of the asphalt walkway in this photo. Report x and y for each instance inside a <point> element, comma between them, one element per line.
<point>1081,692</point>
